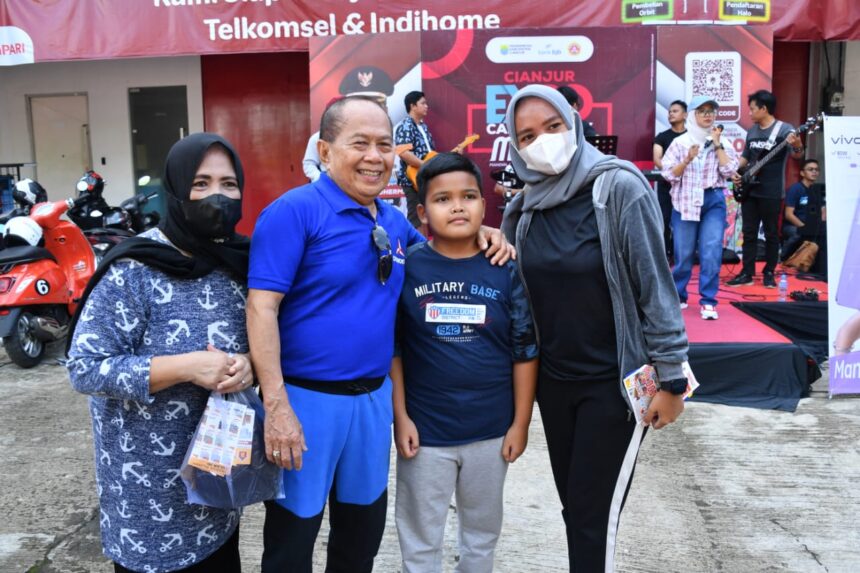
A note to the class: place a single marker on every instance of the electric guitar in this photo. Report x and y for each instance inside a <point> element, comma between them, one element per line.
<point>412,172</point>
<point>749,178</point>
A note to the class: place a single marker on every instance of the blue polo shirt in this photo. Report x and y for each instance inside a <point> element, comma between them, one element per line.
<point>314,245</point>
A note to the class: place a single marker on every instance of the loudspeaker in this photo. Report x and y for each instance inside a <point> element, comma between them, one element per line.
<point>730,257</point>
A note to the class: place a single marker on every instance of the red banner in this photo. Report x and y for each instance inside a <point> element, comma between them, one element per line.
<point>55,30</point>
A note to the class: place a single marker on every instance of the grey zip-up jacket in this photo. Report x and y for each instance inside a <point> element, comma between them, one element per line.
<point>648,323</point>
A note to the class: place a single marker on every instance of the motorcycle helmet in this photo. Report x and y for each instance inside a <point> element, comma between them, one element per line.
<point>22,231</point>
<point>91,184</point>
<point>28,192</point>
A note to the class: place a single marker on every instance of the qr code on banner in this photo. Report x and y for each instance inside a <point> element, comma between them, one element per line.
<point>716,75</point>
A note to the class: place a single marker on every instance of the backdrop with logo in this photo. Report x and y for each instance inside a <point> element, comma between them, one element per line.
<point>842,155</point>
<point>469,77</point>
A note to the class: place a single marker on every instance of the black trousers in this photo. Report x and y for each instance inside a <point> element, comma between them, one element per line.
<point>224,560</point>
<point>791,239</point>
<point>665,200</point>
<point>765,211</point>
<point>592,450</point>
<point>353,542</point>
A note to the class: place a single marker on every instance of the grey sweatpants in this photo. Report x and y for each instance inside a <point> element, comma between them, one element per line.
<point>476,473</point>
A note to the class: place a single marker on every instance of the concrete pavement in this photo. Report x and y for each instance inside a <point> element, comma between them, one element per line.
<point>723,490</point>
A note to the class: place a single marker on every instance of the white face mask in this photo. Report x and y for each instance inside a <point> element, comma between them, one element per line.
<point>550,153</point>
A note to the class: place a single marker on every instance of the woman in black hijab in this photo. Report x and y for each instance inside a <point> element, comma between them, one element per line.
<point>162,324</point>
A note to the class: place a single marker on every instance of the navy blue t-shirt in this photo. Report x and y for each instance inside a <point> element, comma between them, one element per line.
<point>336,320</point>
<point>462,324</point>
<point>802,198</point>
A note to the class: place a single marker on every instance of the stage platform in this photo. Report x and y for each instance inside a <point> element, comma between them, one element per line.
<point>761,352</point>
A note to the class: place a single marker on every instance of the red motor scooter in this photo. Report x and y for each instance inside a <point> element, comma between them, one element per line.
<point>40,286</point>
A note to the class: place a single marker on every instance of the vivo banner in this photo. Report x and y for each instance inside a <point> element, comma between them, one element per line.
<point>842,156</point>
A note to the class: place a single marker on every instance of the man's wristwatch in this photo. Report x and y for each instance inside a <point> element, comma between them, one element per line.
<point>676,386</point>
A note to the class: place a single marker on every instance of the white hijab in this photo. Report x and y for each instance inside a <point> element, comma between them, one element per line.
<point>695,135</point>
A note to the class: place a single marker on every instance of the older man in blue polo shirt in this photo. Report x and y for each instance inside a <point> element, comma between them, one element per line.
<point>327,263</point>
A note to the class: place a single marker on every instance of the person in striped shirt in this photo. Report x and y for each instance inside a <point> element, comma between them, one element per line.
<point>698,166</point>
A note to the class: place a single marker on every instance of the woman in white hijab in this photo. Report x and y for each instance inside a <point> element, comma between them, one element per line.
<point>698,166</point>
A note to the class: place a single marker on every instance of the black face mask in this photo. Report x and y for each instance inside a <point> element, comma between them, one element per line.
<point>214,217</point>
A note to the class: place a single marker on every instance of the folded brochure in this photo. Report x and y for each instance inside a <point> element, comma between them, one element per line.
<point>641,386</point>
<point>224,436</point>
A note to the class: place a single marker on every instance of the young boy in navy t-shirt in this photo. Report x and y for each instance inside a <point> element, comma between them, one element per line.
<point>464,382</point>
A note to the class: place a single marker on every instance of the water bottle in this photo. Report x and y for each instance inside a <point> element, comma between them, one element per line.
<point>783,288</point>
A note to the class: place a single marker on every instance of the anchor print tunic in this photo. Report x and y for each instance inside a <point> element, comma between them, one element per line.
<point>134,313</point>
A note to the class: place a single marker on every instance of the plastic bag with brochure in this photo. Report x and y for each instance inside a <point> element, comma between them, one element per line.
<point>225,465</point>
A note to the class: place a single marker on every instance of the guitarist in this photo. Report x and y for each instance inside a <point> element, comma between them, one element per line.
<point>413,130</point>
<point>762,205</point>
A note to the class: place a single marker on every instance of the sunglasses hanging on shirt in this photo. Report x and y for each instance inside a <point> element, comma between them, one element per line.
<point>383,252</point>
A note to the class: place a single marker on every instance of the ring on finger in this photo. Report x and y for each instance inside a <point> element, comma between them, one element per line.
<point>276,453</point>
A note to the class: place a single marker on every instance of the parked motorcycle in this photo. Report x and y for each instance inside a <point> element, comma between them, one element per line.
<point>141,221</point>
<point>25,194</point>
<point>106,226</point>
<point>44,270</point>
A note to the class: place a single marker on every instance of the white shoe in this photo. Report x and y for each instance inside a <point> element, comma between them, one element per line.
<point>684,305</point>
<point>709,312</point>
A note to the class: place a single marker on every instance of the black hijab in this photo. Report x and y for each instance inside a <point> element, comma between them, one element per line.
<point>182,163</point>
<point>231,255</point>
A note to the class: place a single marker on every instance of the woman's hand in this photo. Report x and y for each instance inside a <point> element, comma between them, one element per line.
<point>405,436</point>
<point>285,439</point>
<point>716,132</point>
<point>239,376</point>
<point>209,369</point>
<point>665,409</point>
<point>496,245</point>
<point>692,153</point>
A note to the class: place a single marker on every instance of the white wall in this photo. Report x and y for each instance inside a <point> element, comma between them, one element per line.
<point>106,84</point>
<point>852,78</point>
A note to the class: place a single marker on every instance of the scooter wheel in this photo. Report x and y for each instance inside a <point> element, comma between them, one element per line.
<point>22,346</point>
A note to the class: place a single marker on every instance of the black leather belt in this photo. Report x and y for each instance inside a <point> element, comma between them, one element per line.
<point>341,387</point>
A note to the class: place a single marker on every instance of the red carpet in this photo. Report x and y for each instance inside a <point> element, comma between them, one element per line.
<point>733,324</point>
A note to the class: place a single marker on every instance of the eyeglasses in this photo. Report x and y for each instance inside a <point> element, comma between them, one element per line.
<point>385,258</point>
<point>812,169</point>
<point>706,112</point>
